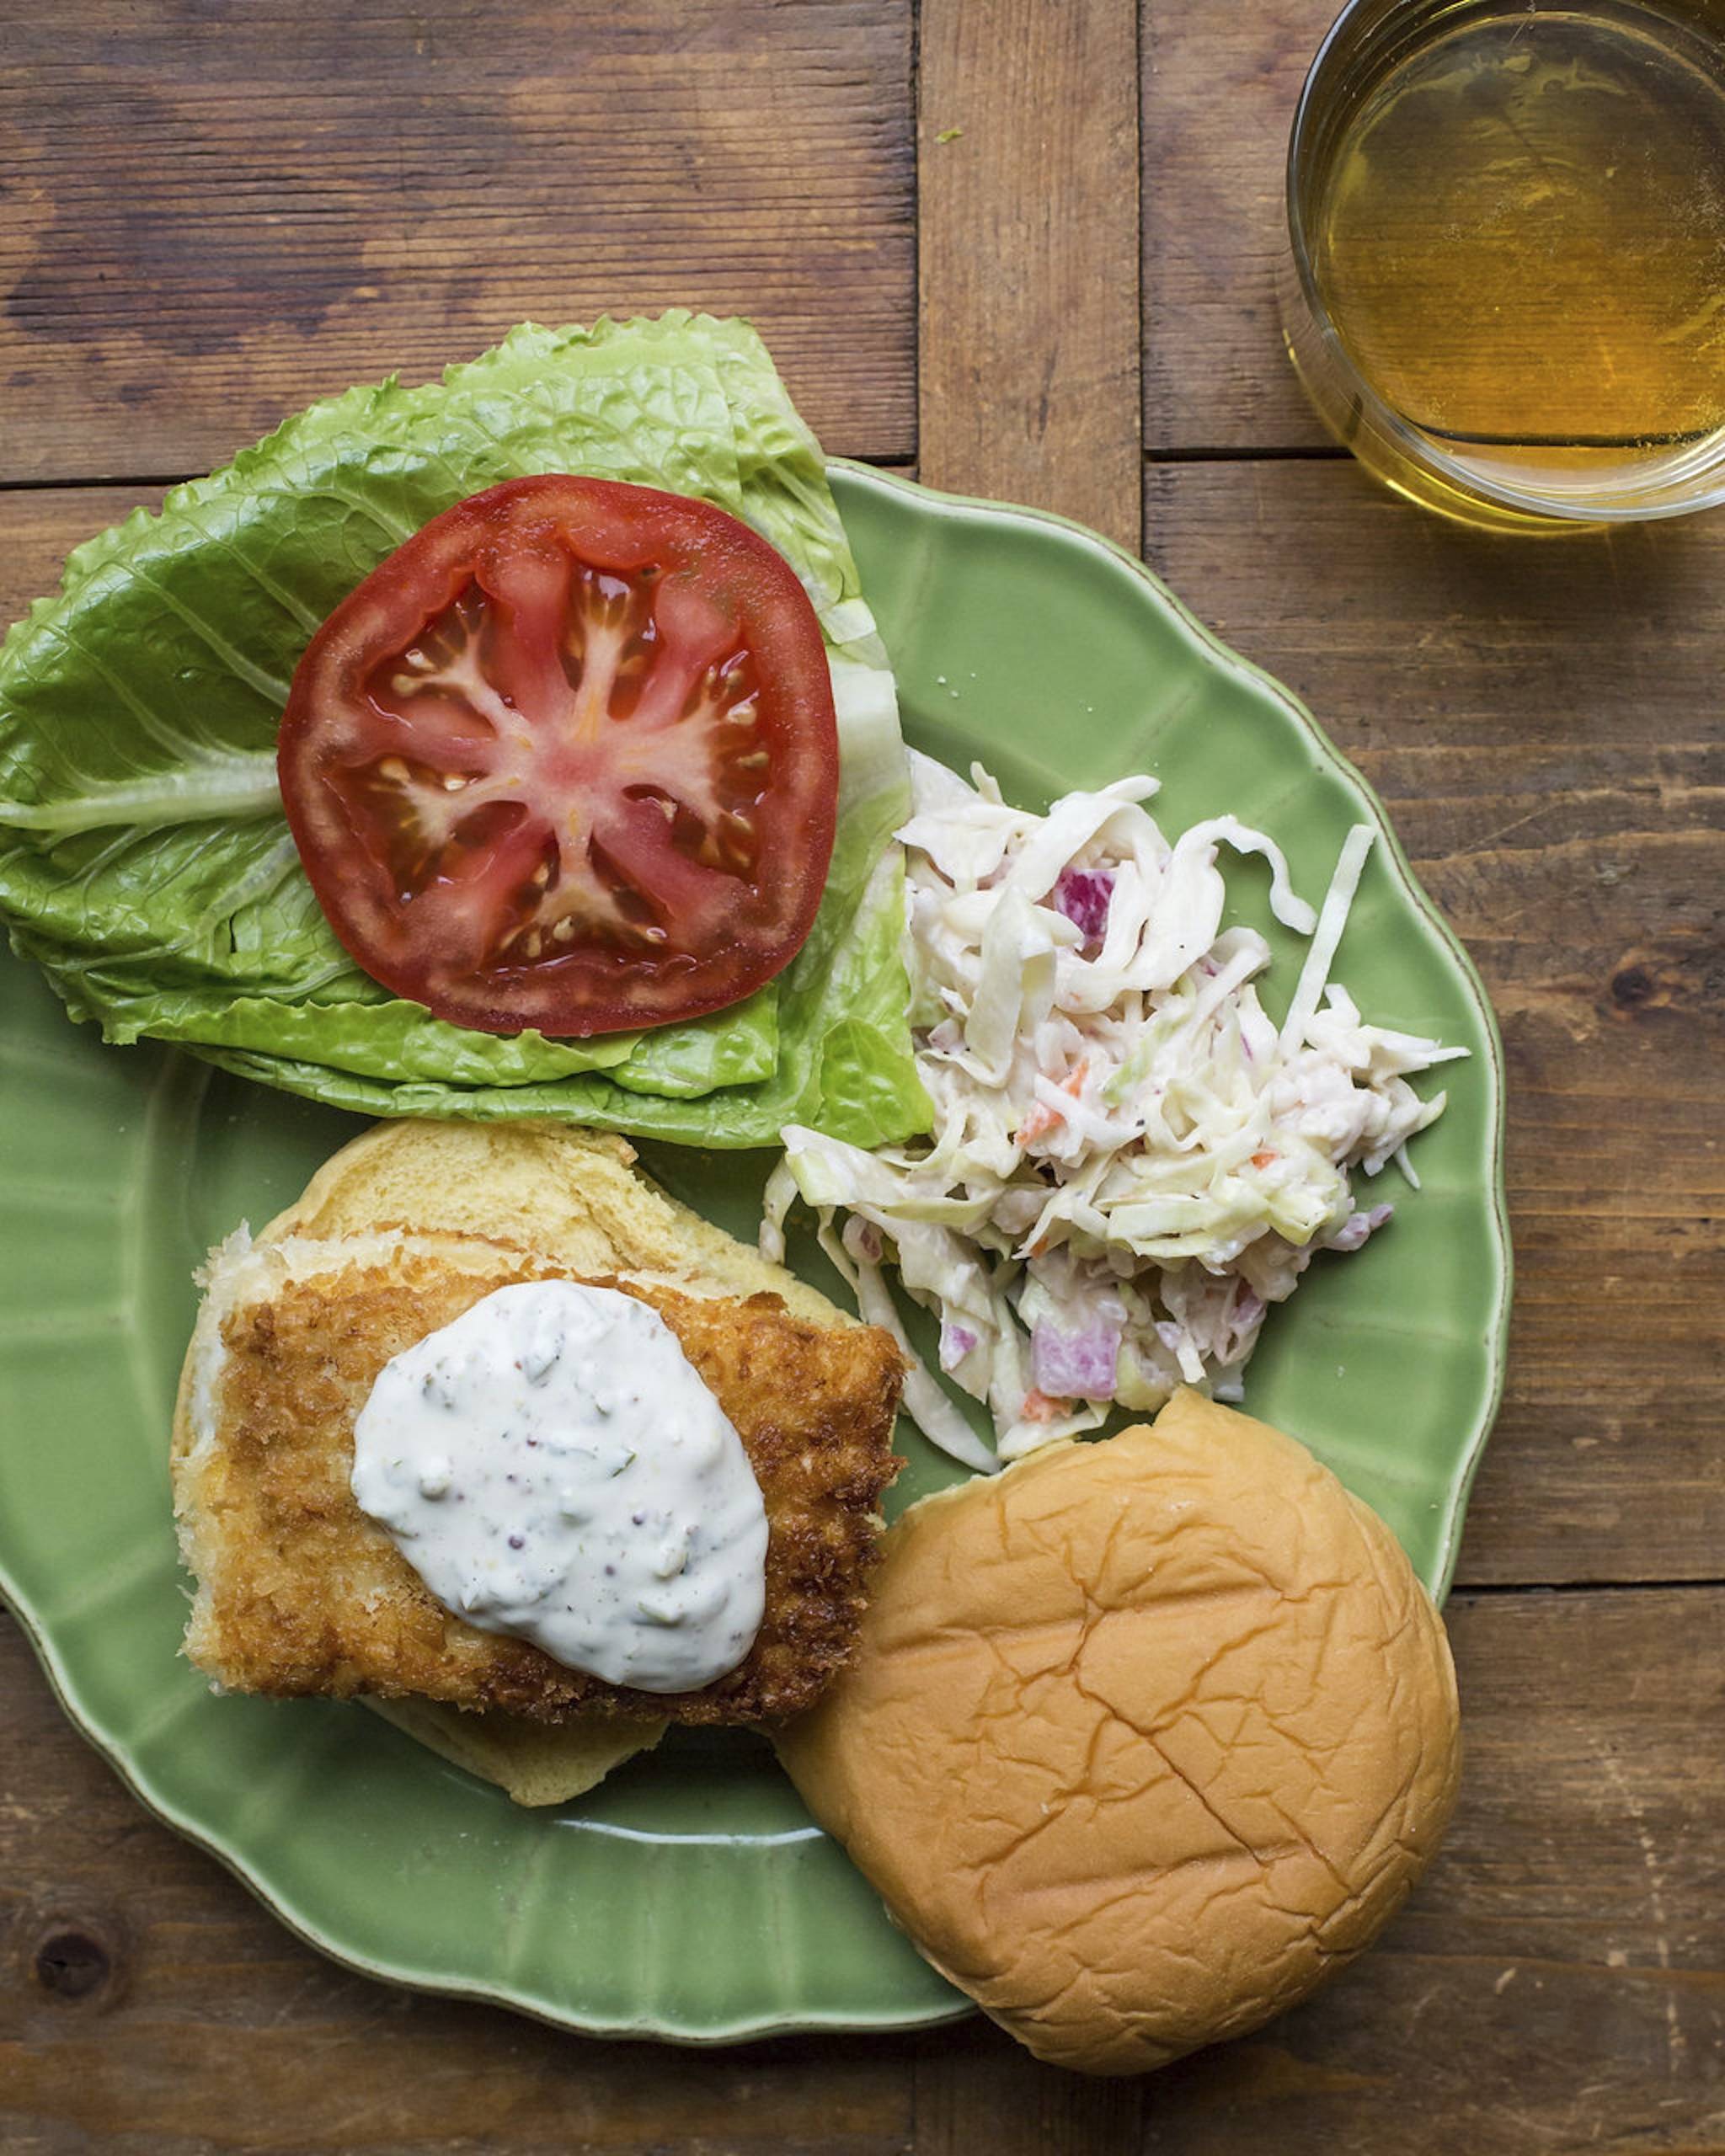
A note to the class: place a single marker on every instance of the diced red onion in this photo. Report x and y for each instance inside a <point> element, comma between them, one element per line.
<point>956,1342</point>
<point>1083,895</point>
<point>861,1238</point>
<point>1076,1365</point>
<point>1354,1230</point>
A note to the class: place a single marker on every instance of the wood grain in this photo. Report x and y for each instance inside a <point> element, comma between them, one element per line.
<point>1028,248</point>
<point>1219,88</point>
<point>39,528</point>
<point>1542,721</point>
<point>1557,1981</point>
<point>213,213</point>
<point>210,213</point>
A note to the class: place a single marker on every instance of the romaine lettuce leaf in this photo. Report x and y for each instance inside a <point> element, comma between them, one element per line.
<point>144,861</point>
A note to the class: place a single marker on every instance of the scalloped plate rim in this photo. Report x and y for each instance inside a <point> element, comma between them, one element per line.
<point>713,2037</point>
<point>1206,640</point>
<point>737,2029</point>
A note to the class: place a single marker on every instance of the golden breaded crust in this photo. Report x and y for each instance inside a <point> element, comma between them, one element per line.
<point>300,1592</point>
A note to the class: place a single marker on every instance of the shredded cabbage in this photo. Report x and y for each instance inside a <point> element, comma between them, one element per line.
<point>1129,1164</point>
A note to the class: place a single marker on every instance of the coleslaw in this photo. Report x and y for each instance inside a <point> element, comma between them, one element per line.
<point>1130,1162</point>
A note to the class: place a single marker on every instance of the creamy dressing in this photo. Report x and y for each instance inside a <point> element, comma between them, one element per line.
<point>1129,1163</point>
<point>553,1468</point>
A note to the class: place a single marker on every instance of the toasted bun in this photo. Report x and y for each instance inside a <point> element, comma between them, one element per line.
<point>571,1196</point>
<point>1144,1737</point>
<point>575,1195</point>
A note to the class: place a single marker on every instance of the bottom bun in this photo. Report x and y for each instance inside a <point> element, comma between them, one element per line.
<point>1144,1737</point>
<point>535,1762</point>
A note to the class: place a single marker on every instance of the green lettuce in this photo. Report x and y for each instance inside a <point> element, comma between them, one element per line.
<point>145,864</point>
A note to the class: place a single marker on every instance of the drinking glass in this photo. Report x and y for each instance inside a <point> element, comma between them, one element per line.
<point>1506,289</point>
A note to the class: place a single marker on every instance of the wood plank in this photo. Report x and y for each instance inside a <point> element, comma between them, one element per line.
<point>1543,720</point>
<point>214,216</point>
<point>1220,83</point>
<point>1028,229</point>
<point>1557,1981</point>
<point>39,528</point>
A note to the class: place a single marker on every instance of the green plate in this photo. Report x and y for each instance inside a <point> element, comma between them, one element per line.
<point>690,1897</point>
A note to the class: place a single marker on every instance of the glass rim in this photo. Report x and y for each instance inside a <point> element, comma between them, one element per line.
<point>1419,447</point>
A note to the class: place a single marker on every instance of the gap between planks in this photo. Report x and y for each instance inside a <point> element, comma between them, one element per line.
<point>1498,1590</point>
<point>83,484</point>
<point>1311,454</point>
<point>1469,1591</point>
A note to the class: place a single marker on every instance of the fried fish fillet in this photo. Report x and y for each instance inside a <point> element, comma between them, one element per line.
<point>299,1592</point>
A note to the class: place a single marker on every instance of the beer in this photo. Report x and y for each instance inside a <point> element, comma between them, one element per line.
<point>1513,225</point>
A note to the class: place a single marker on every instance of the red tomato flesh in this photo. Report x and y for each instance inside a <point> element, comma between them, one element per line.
<point>567,759</point>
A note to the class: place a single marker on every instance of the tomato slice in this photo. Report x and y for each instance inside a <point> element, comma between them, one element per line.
<point>568,760</point>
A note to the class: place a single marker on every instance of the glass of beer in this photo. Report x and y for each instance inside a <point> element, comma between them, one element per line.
<point>1507,288</point>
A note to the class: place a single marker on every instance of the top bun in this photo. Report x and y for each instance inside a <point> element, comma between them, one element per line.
<point>1143,1737</point>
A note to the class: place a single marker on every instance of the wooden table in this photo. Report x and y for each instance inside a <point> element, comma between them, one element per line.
<point>1026,247</point>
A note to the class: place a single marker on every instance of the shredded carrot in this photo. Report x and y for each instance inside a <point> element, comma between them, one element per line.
<point>1042,1117</point>
<point>1039,1408</point>
<point>1264,1160</point>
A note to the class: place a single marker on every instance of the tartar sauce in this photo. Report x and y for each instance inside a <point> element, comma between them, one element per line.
<point>551,1467</point>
